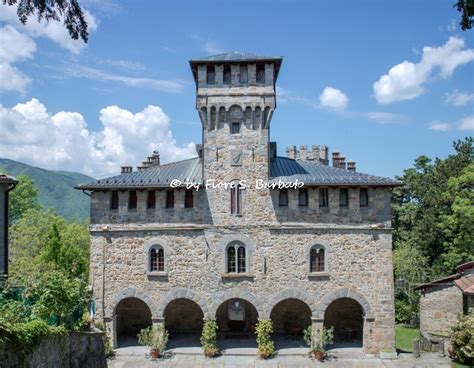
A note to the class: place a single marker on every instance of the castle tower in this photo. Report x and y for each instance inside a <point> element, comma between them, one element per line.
<point>235,99</point>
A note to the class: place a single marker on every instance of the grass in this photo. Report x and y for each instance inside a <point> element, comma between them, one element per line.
<point>404,337</point>
<point>459,365</point>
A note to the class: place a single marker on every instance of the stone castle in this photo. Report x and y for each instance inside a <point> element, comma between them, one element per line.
<point>292,239</point>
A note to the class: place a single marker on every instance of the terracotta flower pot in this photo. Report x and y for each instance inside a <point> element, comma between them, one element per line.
<point>319,355</point>
<point>211,353</point>
<point>263,355</point>
<point>154,354</point>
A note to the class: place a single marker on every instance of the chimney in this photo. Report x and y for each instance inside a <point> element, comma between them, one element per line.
<point>342,162</point>
<point>324,155</point>
<point>272,150</point>
<point>351,165</point>
<point>154,159</point>
<point>303,154</point>
<point>199,150</point>
<point>126,169</point>
<point>335,158</point>
<point>314,153</point>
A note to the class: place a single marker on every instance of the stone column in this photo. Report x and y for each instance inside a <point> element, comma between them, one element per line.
<point>367,339</point>
<point>317,325</point>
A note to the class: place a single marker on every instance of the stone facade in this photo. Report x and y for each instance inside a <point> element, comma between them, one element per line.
<point>357,240</point>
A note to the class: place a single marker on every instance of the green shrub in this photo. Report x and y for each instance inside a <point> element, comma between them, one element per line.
<point>209,337</point>
<point>263,330</point>
<point>308,335</point>
<point>155,337</point>
<point>462,340</point>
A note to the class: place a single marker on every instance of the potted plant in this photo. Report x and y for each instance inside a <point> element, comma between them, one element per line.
<point>209,338</point>
<point>156,338</point>
<point>263,330</point>
<point>318,349</point>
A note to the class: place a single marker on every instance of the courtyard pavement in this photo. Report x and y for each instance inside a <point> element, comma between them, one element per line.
<point>137,357</point>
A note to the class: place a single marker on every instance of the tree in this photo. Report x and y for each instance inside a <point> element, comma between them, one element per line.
<point>466,8</point>
<point>421,205</point>
<point>70,10</point>
<point>22,198</point>
<point>41,241</point>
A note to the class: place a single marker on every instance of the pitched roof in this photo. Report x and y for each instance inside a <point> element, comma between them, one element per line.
<point>281,168</point>
<point>4,178</point>
<point>235,56</point>
<point>466,284</point>
<point>288,169</point>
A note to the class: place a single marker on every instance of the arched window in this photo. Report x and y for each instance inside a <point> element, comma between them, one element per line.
<point>317,259</point>
<point>257,118</point>
<point>157,259</point>
<point>236,258</point>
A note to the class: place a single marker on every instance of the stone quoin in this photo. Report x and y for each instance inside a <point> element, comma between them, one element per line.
<point>317,254</point>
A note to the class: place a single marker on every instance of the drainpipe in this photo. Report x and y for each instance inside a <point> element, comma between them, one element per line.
<point>11,187</point>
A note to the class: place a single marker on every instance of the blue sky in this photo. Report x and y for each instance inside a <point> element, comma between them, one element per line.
<point>381,81</point>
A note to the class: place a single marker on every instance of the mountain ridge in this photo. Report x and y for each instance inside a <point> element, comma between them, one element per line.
<point>55,188</point>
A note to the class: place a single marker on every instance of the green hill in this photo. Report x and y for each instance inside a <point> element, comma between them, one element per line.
<point>55,188</point>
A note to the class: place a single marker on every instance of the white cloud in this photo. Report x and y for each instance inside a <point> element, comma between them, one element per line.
<point>381,117</point>
<point>405,81</point>
<point>439,126</point>
<point>11,79</point>
<point>97,74</point>
<point>333,99</point>
<point>14,47</point>
<point>457,98</point>
<point>63,141</point>
<point>54,30</point>
<point>466,123</point>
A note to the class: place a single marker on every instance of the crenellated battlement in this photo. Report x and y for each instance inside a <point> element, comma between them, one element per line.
<point>320,154</point>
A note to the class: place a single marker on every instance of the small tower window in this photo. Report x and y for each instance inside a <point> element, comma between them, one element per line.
<point>211,74</point>
<point>188,198</point>
<point>303,197</point>
<point>283,197</point>
<point>323,197</point>
<point>364,197</point>
<point>170,198</point>
<point>213,118</point>
<point>151,200</point>
<point>244,74</point>
<point>132,200</point>
<point>236,199</point>
<point>114,200</point>
<point>227,74</point>
<point>260,73</point>
<point>235,127</point>
<point>343,197</point>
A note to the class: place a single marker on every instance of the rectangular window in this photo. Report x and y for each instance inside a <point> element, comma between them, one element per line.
<point>170,198</point>
<point>227,74</point>
<point>283,197</point>
<point>343,197</point>
<point>114,200</point>
<point>188,198</point>
<point>323,197</point>
<point>244,74</point>
<point>235,128</point>
<point>132,200</point>
<point>303,197</point>
<point>364,197</point>
<point>260,74</point>
<point>151,200</point>
<point>211,74</point>
<point>236,200</point>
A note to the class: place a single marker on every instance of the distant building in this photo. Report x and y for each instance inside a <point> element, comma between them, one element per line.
<point>7,183</point>
<point>443,301</point>
<point>319,254</point>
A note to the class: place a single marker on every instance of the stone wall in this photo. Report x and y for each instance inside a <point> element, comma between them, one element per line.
<point>260,206</point>
<point>359,267</point>
<point>440,307</point>
<point>74,350</point>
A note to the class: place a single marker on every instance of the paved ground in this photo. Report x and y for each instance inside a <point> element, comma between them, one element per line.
<point>137,357</point>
